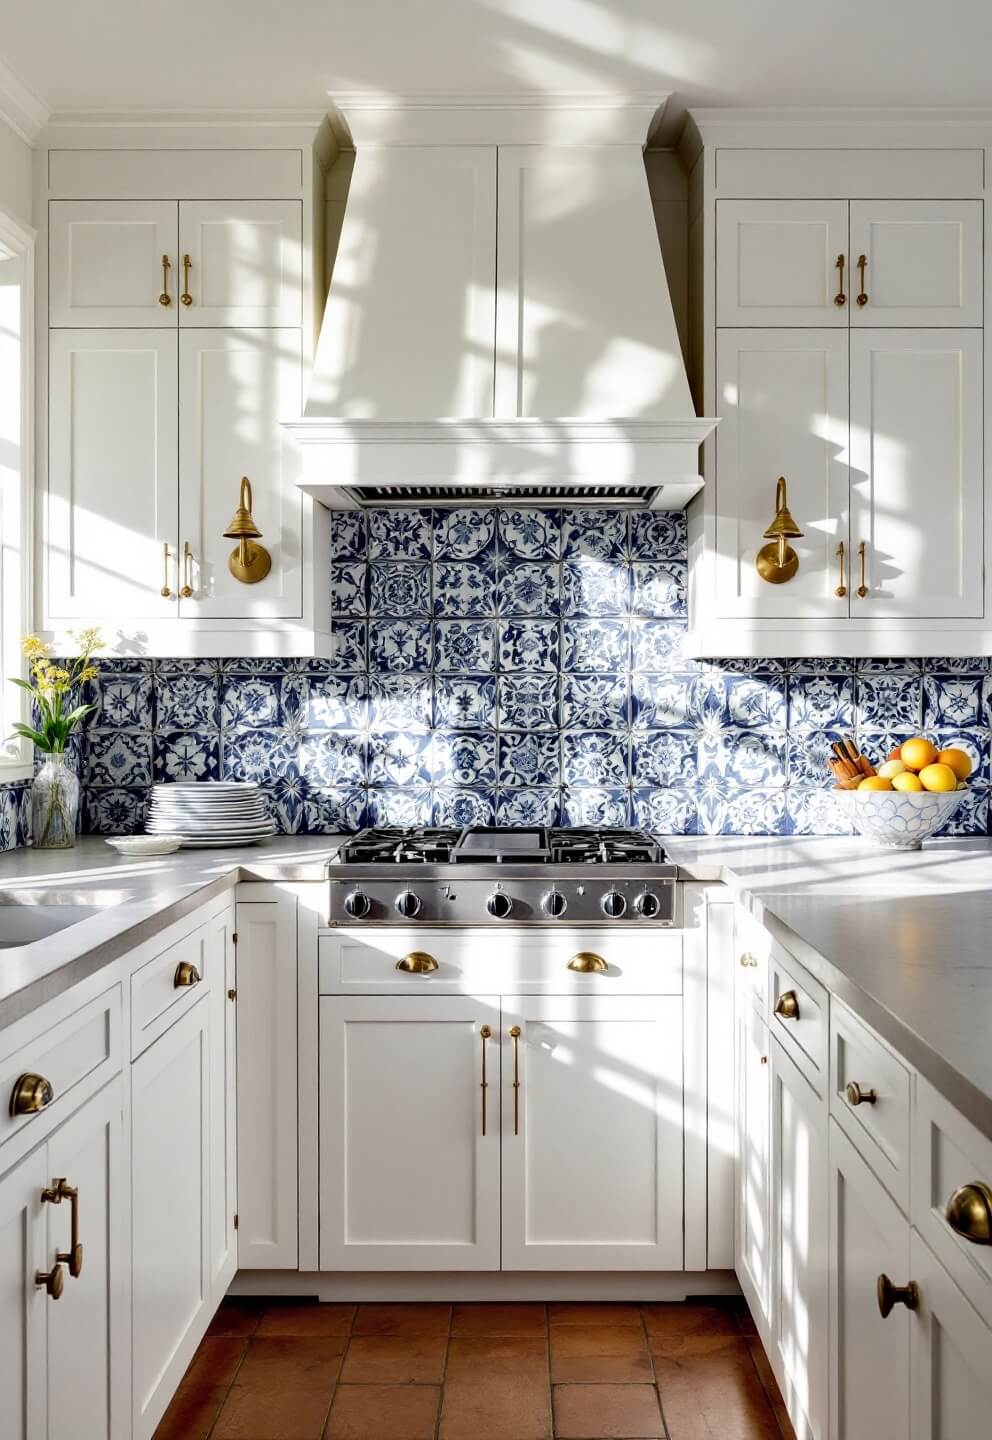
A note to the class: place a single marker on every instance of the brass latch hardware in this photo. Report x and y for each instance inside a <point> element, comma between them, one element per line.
<point>166,590</point>
<point>841,590</point>
<point>969,1213</point>
<point>863,294</point>
<point>485,1034</point>
<point>54,1194</point>
<point>186,593</point>
<point>232,994</point>
<point>164,298</point>
<point>186,298</point>
<point>515,1037</point>
<point>777,562</point>
<point>862,589</point>
<point>840,298</point>
<point>247,562</point>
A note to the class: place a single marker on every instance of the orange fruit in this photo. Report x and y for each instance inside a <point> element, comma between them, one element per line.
<point>875,782</point>
<point>907,782</point>
<point>938,777</point>
<point>958,760</point>
<point>917,753</point>
<point>895,754</point>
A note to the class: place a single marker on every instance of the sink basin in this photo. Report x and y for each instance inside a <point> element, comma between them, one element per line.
<point>29,916</point>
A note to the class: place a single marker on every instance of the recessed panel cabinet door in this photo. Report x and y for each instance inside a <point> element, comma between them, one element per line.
<point>112,504</point>
<point>223,1104</point>
<point>245,262</point>
<point>106,263</point>
<point>23,1304</point>
<point>592,1133</point>
<point>409,1139</point>
<point>753,1257</point>
<point>916,473</point>
<point>923,262</point>
<point>777,263</point>
<point>950,1356</point>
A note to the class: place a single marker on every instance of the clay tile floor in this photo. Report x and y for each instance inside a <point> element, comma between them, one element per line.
<point>303,1371</point>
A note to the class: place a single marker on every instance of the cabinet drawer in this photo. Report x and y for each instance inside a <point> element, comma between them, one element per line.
<point>948,1154</point>
<point>870,1099</point>
<point>522,962</point>
<point>163,989</point>
<point>77,1055</point>
<point>752,949</point>
<point>799,1016</point>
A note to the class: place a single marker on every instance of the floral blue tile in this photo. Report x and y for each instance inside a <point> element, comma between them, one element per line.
<point>595,757</point>
<point>660,590</point>
<point>400,646</point>
<point>259,755</point>
<point>816,812</point>
<point>464,534</point>
<point>399,588</point>
<point>187,755</point>
<point>252,702</point>
<point>528,759</point>
<point>595,702</point>
<point>399,759</point>
<point>465,646</point>
<point>347,645</point>
<point>746,757</point>
<point>952,700</point>
<point>972,815</point>
<point>461,758</point>
<point>15,814</point>
<point>662,702</point>
<point>664,757</point>
<point>332,758</point>
<point>596,807</point>
<point>333,810</point>
<point>123,700</point>
<point>114,812</point>
<point>817,702</point>
<point>189,698</point>
<point>328,702</point>
<point>349,588</point>
<point>118,757</point>
<point>284,797</point>
<point>463,807</point>
<point>595,587</point>
<point>527,588</point>
<point>400,534</point>
<point>889,699</point>
<point>601,534</point>
<point>595,645</point>
<point>875,665</point>
<point>464,702</point>
<point>655,645</point>
<point>960,665</point>
<point>528,645</point>
<point>400,702</point>
<point>815,665</point>
<point>464,589</point>
<point>528,702</point>
<point>809,752</point>
<point>264,665</point>
<point>724,809</point>
<point>658,535</point>
<point>757,700</point>
<point>349,533</point>
<point>399,807</point>
<point>665,812</point>
<point>530,534</point>
<point>528,806</point>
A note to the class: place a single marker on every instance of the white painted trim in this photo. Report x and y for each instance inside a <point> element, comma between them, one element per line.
<point>576,117</point>
<point>444,1286</point>
<point>20,107</point>
<point>72,119</point>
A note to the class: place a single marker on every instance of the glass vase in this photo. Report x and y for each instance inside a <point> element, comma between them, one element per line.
<point>54,804</point>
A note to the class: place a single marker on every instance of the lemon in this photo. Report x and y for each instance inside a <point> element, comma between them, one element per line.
<point>875,782</point>
<point>918,753</point>
<point>958,760</point>
<point>891,769</point>
<point>938,777</point>
<point>907,781</point>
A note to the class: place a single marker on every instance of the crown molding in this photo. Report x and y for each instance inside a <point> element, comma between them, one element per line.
<point>20,107</point>
<point>169,119</point>
<point>715,117</point>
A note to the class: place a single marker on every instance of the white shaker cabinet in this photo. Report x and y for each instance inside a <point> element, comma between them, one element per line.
<point>113,263</point>
<point>950,1357</point>
<point>222,956</point>
<point>240,262</point>
<point>777,263</point>
<point>922,262</point>
<point>23,1255</point>
<point>753,1239</point>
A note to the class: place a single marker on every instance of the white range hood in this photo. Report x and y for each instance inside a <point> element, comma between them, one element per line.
<point>498,326</point>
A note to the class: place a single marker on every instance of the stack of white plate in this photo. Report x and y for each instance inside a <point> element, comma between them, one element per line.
<point>209,812</point>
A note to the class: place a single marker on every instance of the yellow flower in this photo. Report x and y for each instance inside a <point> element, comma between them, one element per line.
<point>34,648</point>
<point>88,640</point>
<point>88,672</point>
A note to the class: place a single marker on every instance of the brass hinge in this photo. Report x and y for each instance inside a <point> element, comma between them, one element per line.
<point>234,937</point>
<point>235,1222</point>
<point>232,994</point>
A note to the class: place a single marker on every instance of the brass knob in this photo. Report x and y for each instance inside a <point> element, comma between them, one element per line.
<point>186,974</point>
<point>889,1295</point>
<point>30,1094</point>
<point>787,1005</point>
<point>588,963</point>
<point>969,1213</point>
<point>857,1096</point>
<point>53,1280</point>
<point>418,962</point>
<point>749,961</point>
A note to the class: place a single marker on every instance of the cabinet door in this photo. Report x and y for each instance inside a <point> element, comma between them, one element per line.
<point>267,1084</point>
<point>409,1173</point>
<point>106,263</point>
<point>171,1299</point>
<point>87,1329</point>
<point>235,386</point>
<point>950,1356</point>
<point>776,263</point>
<point>592,1118</point>
<point>783,398</point>
<point>923,262</point>
<point>799,1246</point>
<point>246,262</point>
<point>868,1238</point>
<point>223,1103</point>
<point>753,1257</point>
<point>23,1304</point>
<point>916,472</point>
<point>112,505</point>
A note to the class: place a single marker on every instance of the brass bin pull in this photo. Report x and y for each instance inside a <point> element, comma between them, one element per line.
<point>30,1094</point>
<point>889,1295</point>
<point>58,1191</point>
<point>840,298</point>
<point>969,1213</point>
<point>515,1037</point>
<point>164,298</point>
<point>186,592</point>
<point>586,962</point>
<point>787,1005</point>
<point>862,589</point>
<point>186,975</point>
<point>841,590</point>
<point>186,298</point>
<point>53,1280</point>
<point>863,294</point>
<point>418,962</point>
<point>166,590</point>
<point>857,1096</point>
<point>485,1034</point>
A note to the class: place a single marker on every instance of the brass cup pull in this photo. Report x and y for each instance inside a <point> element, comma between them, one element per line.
<point>186,592</point>
<point>857,1096</point>
<point>787,1005</point>
<point>863,294</point>
<point>166,590</point>
<point>186,298</point>
<point>165,298</point>
<point>30,1094</point>
<point>840,298</point>
<point>841,590</point>
<point>53,1280</point>
<point>862,589</point>
<point>515,1037</point>
<point>58,1191</point>
<point>418,962</point>
<point>485,1034</point>
<point>889,1295</point>
<point>588,963</point>
<point>186,975</point>
<point>969,1213</point>
<point>749,961</point>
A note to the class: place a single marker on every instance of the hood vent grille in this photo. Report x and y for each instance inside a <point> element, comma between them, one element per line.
<point>632,496</point>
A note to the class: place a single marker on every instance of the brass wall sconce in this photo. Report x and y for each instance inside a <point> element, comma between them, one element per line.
<point>777,562</point>
<point>247,562</point>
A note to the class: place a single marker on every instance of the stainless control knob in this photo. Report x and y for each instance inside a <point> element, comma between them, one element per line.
<point>357,905</point>
<point>554,904</point>
<point>408,904</point>
<point>613,904</point>
<point>499,904</point>
<point>647,905</point>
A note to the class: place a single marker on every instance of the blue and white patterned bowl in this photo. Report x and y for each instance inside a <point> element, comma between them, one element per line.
<point>896,819</point>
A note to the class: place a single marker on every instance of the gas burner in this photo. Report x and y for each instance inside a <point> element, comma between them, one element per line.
<point>590,845</point>
<point>399,845</point>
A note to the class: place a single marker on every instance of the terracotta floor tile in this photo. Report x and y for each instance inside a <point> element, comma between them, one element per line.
<point>591,1312</point>
<point>282,1391</point>
<point>674,1318</point>
<point>203,1389</point>
<point>496,1319</point>
<point>395,1360</point>
<point>237,1317</point>
<point>682,1347</point>
<point>491,1356</point>
<point>607,1412</point>
<point>402,1320</point>
<point>770,1386</point>
<point>495,1407</point>
<point>715,1395</point>
<point>306,1319</point>
<point>599,1353</point>
<point>384,1412</point>
<point>190,1417</point>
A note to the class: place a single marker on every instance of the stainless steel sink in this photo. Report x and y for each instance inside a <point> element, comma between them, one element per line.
<point>30,915</point>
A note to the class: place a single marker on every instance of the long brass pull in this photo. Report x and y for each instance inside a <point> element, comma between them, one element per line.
<point>186,592</point>
<point>186,298</point>
<point>857,1096</point>
<point>418,962</point>
<point>165,298</point>
<point>30,1094</point>
<point>841,590</point>
<point>54,1194</point>
<point>166,590</point>
<point>840,298</point>
<point>862,589</point>
<point>969,1213</point>
<point>186,975</point>
<point>889,1295</point>
<point>588,963</point>
<point>53,1280</point>
<point>862,294</point>
<point>787,1005</point>
<point>515,1037</point>
<point>485,1033</point>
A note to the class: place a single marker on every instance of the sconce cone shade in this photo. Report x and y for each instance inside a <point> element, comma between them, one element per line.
<point>783,523</point>
<point>247,562</point>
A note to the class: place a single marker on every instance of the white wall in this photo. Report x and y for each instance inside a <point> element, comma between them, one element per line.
<point>15,174</point>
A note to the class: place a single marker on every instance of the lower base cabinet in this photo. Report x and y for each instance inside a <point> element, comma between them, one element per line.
<point>950,1356</point>
<point>752,1220</point>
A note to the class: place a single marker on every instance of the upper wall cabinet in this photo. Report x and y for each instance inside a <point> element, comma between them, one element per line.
<point>112,263</point>
<point>781,262</point>
<point>916,262</point>
<point>240,262</point>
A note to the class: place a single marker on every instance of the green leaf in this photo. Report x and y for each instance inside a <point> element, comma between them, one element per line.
<point>14,680</point>
<point>40,740</point>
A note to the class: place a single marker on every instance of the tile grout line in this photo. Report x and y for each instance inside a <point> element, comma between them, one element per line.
<point>654,1368</point>
<point>244,1356</point>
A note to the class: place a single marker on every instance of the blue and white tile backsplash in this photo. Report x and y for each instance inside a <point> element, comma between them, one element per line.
<point>516,666</point>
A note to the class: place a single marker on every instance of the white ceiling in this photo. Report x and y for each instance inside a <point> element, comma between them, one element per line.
<point>288,54</point>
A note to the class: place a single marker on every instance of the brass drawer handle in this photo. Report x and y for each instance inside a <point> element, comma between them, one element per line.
<point>418,962</point>
<point>164,298</point>
<point>863,295</point>
<point>485,1033</point>
<point>588,963</point>
<point>969,1213</point>
<point>889,1295</point>
<point>186,974</point>
<point>53,1280</point>
<point>840,298</point>
<point>787,1005</point>
<point>30,1094</point>
<point>186,298</point>
<point>58,1191</point>
<point>857,1096</point>
<point>749,961</point>
<point>515,1037</point>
